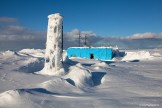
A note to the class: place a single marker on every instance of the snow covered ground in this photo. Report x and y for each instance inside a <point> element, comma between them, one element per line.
<point>132,81</point>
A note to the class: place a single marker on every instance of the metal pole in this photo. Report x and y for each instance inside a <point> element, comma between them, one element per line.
<point>85,43</point>
<point>62,43</point>
<point>79,38</point>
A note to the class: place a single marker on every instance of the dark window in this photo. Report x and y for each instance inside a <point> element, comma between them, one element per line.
<point>91,56</point>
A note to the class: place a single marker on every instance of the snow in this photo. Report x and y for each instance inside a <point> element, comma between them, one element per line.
<point>91,47</point>
<point>32,52</point>
<point>139,55</point>
<point>60,72</point>
<point>79,76</point>
<point>8,96</point>
<point>86,84</point>
<point>102,64</point>
<point>157,54</point>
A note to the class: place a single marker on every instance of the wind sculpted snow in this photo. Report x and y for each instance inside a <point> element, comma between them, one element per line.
<point>132,81</point>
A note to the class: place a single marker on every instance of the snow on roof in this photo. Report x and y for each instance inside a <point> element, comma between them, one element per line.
<point>90,47</point>
<point>54,15</point>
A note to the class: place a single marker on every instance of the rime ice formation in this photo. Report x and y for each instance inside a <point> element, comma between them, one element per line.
<point>53,54</point>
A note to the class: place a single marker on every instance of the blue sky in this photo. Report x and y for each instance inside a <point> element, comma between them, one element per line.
<point>104,17</point>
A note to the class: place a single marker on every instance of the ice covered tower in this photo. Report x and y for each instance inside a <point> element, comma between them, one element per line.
<point>53,54</point>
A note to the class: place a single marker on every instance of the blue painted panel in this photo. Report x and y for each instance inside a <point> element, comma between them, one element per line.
<point>98,53</point>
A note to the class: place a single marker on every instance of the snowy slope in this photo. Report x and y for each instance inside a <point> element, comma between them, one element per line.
<point>132,81</point>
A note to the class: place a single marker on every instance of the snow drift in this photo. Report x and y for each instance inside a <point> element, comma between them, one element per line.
<point>87,83</point>
<point>137,55</point>
<point>79,76</point>
<point>15,99</point>
<point>59,85</point>
<point>12,97</point>
<point>32,52</point>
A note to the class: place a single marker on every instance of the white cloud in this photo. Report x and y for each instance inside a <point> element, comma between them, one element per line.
<point>145,35</point>
<point>160,34</point>
<point>75,33</point>
<point>71,39</point>
<point>20,37</point>
<point>19,33</point>
<point>88,33</point>
<point>8,20</point>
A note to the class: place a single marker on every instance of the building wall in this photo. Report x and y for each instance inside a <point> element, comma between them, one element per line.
<point>90,53</point>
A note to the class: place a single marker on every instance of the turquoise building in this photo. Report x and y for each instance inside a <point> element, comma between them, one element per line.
<point>97,53</point>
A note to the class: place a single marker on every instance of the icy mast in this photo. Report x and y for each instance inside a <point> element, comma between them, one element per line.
<point>53,54</point>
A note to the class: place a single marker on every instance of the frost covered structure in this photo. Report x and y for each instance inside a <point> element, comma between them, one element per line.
<point>53,54</point>
<point>98,53</point>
